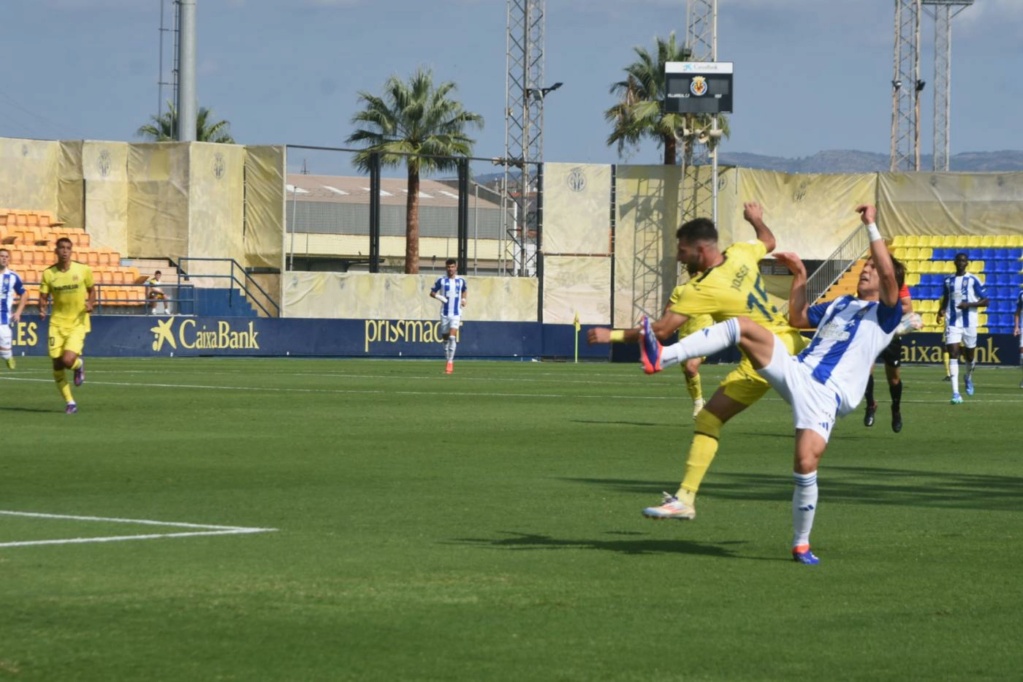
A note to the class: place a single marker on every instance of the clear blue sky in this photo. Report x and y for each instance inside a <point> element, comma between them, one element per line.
<point>811,75</point>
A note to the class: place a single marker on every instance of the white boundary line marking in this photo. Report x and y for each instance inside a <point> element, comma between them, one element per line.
<point>201,529</point>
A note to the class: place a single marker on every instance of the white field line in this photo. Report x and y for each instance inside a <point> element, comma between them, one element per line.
<point>201,529</point>
<point>344,391</point>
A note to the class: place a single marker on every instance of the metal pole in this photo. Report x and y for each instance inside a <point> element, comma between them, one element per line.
<point>186,62</point>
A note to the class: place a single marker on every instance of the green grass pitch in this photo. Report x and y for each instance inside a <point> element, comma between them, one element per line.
<point>394,523</point>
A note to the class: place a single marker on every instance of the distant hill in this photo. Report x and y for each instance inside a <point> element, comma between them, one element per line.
<point>848,161</point>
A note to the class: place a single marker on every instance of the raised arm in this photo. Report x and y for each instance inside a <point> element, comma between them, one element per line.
<point>882,258</point>
<point>753,213</point>
<point>798,305</point>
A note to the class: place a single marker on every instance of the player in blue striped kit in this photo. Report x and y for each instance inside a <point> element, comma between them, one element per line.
<point>10,284</point>
<point>822,382</point>
<point>962,294</point>
<point>450,290</point>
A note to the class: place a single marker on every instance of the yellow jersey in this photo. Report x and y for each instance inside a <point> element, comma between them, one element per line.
<point>693,323</point>
<point>733,289</point>
<point>69,291</point>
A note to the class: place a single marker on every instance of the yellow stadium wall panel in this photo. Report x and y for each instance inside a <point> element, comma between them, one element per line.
<point>648,209</point>
<point>71,185</point>
<point>158,200</point>
<point>577,286</point>
<point>404,297</point>
<point>27,172</point>
<point>264,207</point>
<point>576,209</point>
<point>811,214</point>
<point>216,203</point>
<point>951,203</point>
<point>105,173</point>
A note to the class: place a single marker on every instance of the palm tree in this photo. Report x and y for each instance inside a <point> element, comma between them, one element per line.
<point>640,115</point>
<point>414,123</point>
<point>163,128</point>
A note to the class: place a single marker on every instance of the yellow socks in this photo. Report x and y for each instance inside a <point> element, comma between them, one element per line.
<point>701,454</point>
<point>695,387</point>
<point>62,385</point>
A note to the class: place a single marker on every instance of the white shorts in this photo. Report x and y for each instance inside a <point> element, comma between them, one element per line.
<point>5,336</point>
<point>450,323</point>
<point>814,405</point>
<point>966,336</point>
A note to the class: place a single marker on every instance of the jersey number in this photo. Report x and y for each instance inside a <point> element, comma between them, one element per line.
<point>759,300</point>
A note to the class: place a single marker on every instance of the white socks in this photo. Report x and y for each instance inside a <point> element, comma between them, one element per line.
<point>449,348</point>
<point>804,506</point>
<point>707,341</point>
<point>953,371</point>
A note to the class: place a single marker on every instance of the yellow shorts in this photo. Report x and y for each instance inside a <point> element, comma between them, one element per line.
<point>63,339</point>
<point>744,385</point>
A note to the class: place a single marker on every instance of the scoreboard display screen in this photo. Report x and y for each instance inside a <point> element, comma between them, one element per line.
<point>698,87</point>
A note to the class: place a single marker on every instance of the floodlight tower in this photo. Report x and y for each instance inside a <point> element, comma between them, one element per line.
<point>906,87</point>
<point>943,12</point>
<point>523,132</point>
<point>702,44</point>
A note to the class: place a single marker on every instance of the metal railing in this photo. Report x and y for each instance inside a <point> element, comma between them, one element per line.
<point>835,265</point>
<point>240,281</point>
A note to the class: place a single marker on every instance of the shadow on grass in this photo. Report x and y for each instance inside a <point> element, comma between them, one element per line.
<point>857,485</point>
<point>634,547</point>
<point>35,410</point>
<point>607,422</point>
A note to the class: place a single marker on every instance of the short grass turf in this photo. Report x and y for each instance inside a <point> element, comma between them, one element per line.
<point>486,526</point>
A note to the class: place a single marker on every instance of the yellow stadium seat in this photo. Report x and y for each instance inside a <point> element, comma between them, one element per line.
<point>925,253</point>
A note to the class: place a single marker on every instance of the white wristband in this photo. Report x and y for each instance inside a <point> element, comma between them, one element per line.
<point>873,232</point>
<point>441,298</point>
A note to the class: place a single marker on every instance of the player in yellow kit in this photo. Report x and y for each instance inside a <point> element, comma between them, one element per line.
<point>729,286</point>
<point>70,287</point>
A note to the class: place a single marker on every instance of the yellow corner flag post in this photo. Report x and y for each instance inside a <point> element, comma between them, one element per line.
<point>577,328</point>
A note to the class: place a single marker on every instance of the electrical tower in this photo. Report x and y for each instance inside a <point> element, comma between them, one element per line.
<point>523,132</point>
<point>943,12</point>
<point>906,88</point>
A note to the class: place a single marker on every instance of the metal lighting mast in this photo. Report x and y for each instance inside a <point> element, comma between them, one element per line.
<point>702,44</point>
<point>943,12</point>
<point>906,88</point>
<point>523,133</point>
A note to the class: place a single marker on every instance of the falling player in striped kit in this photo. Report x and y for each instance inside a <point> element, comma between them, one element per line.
<point>962,294</point>
<point>823,381</point>
<point>10,285</point>
<point>450,290</point>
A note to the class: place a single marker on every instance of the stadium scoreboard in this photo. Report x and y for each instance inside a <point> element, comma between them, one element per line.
<point>698,87</point>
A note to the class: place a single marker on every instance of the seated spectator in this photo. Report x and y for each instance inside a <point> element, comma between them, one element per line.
<point>155,294</point>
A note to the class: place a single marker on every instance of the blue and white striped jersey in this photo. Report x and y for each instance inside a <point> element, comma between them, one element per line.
<point>450,288</point>
<point>10,284</point>
<point>850,334</point>
<point>959,289</point>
